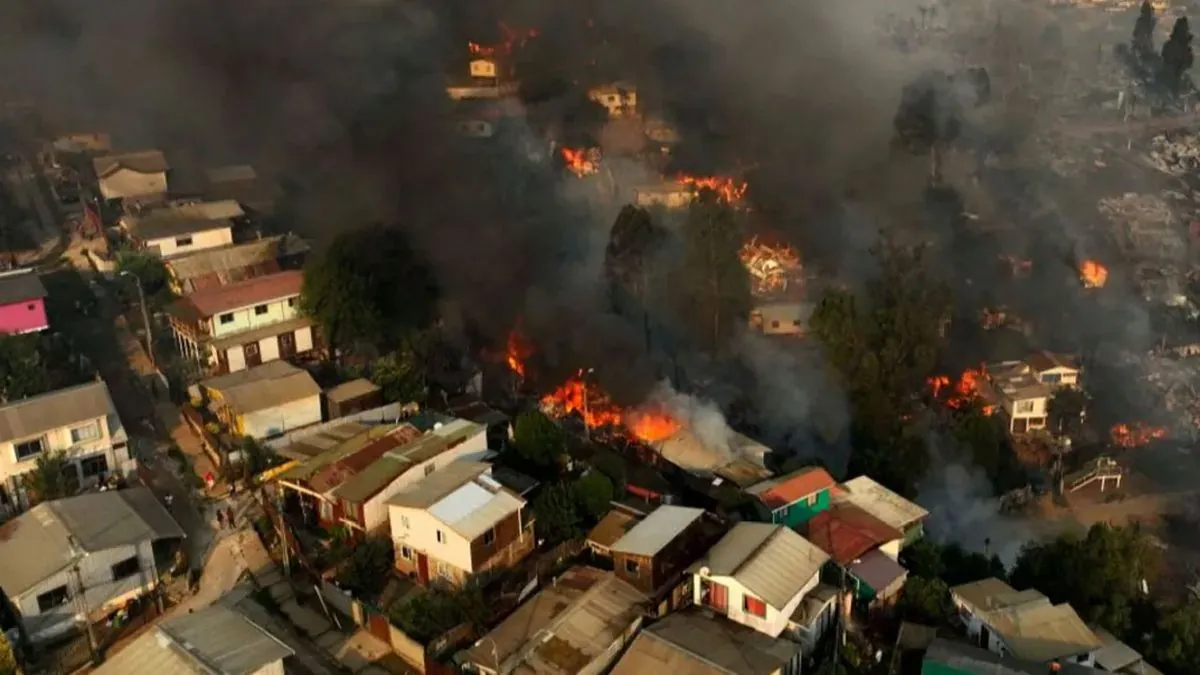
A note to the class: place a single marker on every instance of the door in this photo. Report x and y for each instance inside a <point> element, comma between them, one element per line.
<point>422,568</point>
<point>377,625</point>
<point>985,637</point>
<point>287,345</point>
<point>253,355</point>
<point>715,596</point>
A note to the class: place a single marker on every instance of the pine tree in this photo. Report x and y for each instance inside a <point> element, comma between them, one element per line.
<point>1177,56</point>
<point>1143,33</point>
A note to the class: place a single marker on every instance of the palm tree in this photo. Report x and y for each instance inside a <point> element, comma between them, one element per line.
<point>54,477</point>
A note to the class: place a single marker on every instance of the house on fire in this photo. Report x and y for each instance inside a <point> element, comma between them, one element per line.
<point>741,461</point>
<point>458,522</point>
<point>364,466</point>
<point>22,302</point>
<point>1014,392</point>
<point>132,176</point>
<point>794,499</point>
<point>654,554</point>
<point>179,228</point>
<point>618,98</point>
<point>244,324</point>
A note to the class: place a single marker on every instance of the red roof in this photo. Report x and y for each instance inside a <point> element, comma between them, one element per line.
<point>342,470</point>
<point>212,301</point>
<point>789,489</point>
<point>846,532</point>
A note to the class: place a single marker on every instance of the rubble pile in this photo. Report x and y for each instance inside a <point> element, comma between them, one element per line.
<point>1175,384</point>
<point>1178,155</point>
<point>1137,209</point>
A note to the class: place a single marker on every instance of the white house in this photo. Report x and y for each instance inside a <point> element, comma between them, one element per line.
<point>757,575</point>
<point>1021,398</point>
<point>79,421</point>
<point>215,639</point>
<point>1023,624</point>
<point>184,227</point>
<point>79,557</point>
<point>135,176</point>
<point>1054,370</point>
<point>458,522</point>
<point>265,401</point>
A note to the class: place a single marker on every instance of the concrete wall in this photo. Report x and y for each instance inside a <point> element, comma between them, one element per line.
<point>169,247</point>
<point>26,316</point>
<point>281,419</point>
<point>277,310</point>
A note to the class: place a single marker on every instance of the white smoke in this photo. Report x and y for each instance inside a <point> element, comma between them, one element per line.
<point>963,510</point>
<point>700,418</point>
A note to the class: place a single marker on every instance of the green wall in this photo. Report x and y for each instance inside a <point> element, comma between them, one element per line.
<point>935,668</point>
<point>800,512</point>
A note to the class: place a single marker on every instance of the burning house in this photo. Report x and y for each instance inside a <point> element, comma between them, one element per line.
<point>777,285</point>
<point>669,194</point>
<point>1017,394</point>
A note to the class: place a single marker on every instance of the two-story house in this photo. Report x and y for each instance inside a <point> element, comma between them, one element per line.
<point>1054,370</point>
<point>793,499</point>
<point>350,483</point>
<point>887,506</point>
<point>693,642</point>
<point>757,575</point>
<point>132,176</point>
<point>81,558</point>
<point>182,227</point>
<point>1020,397</point>
<point>244,324</point>
<point>458,522</point>
<point>226,265</point>
<point>1023,624</point>
<point>79,422</point>
<point>22,302</point>
<point>653,555</point>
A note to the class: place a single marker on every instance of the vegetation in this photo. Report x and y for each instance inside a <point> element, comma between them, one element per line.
<point>22,370</point>
<point>150,273</point>
<point>8,660</point>
<point>399,373</point>
<point>629,261</point>
<point>428,615</point>
<point>1143,33</point>
<point>53,477</point>
<point>558,517</point>
<point>713,285</point>
<point>1177,56</point>
<point>366,571</point>
<point>925,601</point>
<point>1065,410</point>
<point>538,442</point>
<point>949,563</point>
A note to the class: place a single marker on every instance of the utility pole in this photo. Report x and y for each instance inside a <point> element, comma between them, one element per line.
<point>81,594</point>
<point>145,316</point>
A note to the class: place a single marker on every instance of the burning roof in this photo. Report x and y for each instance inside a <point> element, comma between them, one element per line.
<point>773,269</point>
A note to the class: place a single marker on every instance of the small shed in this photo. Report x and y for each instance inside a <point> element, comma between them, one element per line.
<point>352,397</point>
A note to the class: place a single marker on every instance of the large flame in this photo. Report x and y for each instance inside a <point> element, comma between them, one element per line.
<point>963,392</point>
<point>1136,435</point>
<point>1093,274</point>
<point>727,189</point>
<point>580,162</point>
<point>516,350</point>
<point>771,268</point>
<point>598,411</point>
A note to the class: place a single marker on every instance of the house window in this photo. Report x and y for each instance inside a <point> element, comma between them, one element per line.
<point>227,318</point>
<point>404,521</point>
<point>406,553</point>
<point>429,468</point>
<point>51,599</point>
<point>631,566</point>
<point>87,432</point>
<point>183,241</point>
<point>291,302</point>
<point>31,307</point>
<point>27,449</point>
<point>774,324</point>
<point>259,310</point>
<point>811,500</point>
<point>251,349</point>
<point>441,537</point>
<point>489,537</point>
<point>94,466</point>
<point>1024,407</point>
<point>126,568</point>
<point>754,606</point>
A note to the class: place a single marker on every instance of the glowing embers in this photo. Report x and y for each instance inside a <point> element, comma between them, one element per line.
<point>728,190</point>
<point>581,162</point>
<point>1093,274</point>
<point>772,268</point>
<point>1136,434</point>
<point>959,394</point>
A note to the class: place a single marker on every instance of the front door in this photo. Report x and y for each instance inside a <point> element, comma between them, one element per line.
<point>422,568</point>
<point>253,354</point>
<point>287,345</point>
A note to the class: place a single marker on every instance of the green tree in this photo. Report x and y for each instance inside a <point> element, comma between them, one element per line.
<point>1143,33</point>
<point>23,372</point>
<point>1099,574</point>
<point>1065,410</point>
<point>368,287</point>
<point>8,660</point>
<point>557,513</point>
<point>150,272</point>
<point>428,615</point>
<point>366,571</point>
<point>990,446</point>
<point>53,477</point>
<point>1177,638</point>
<point>538,440</point>
<point>925,601</point>
<point>713,284</point>
<point>950,563</point>
<point>594,493</point>
<point>628,259</point>
<point>399,374</point>
<point>1177,56</point>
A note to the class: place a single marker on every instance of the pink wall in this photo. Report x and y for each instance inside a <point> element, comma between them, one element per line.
<point>26,316</point>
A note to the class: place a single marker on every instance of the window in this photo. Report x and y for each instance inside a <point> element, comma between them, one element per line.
<point>259,310</point>
<point>251,349</point>
<point>94,466</point>
<point>291,302</point>
<point>795,322</point>
<point>1024,407</point>
<point>126,568</point>
<point>774,324</point>
<point>183,241</point>
<point>1052,378</point>
<point>87,432</point>
<point>31,307</point>
<point>227,318</point>
<point>489,537</point>
<point>631,566</point>
<point>754,606</point>
<point>404,521</point>
<point>430,468</point>
<point>53,598</point>
<point>406,553</point>
<point>441,537</point>
<point>27,449</point>
<point>811,499</point>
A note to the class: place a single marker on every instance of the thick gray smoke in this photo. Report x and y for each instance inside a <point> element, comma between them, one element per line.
<point>963,509</point>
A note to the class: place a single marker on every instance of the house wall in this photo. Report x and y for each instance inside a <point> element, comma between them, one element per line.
<point>892,548</point>
<point>508,530</point>
<point>233,359</point>
<point>417,530</point>
<point>801,512</point>
<point>103,594</point>
<point>376,510</point>
<point>274,668</point>
<point>1067,377</point>
<point>281,419</point>
<point>247,318</point>
<point>128,183</point>
<point>178,245</point>
<point>59,440</point>
<point>482,68</point>
<point>975,624</point>
<point>809,636</point>
<point>778,318</point>
<point>777,618</point>
<point>26,316</point>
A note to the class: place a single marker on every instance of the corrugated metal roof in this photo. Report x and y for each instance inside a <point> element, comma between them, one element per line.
<point>1114,655</point>
<point>213,301</point>
<point>689,643</point>
<point>351,390</point>
<point>224,259</point>
<point>431,489</point>
<point>877,570</point>
<point>141,161</point>
<point>771,561</point>
<point>787,490</point>
<point>64,407</point>
<point>36,544</point>
<point>269,385</point>
<point>1034,629</point>
<point>612,527</point>
<point>881,502</point>
<point>461,496</point>
<point>20,285</point>
<point>658,529</point>
<point>846,532</point>
<point>212,639</point>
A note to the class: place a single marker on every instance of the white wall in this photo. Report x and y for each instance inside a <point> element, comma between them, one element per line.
<point>246,318</point>
<point>102,593</point>
<point>275,668</point>
<point>421,535</point>
<point>170,246</point>
<point>281,419</point>
<point>127,183</point>
<point>777,618</point>
<point>236,359</point>
<point>892,549</point>
<point>376,510</point>
<point>59,440</point>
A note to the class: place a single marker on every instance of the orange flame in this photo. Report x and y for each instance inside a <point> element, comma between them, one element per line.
<point>772,268</point>
<point>1136,435</point>
<point>579,162</point>
<point>964,391</point>
<point>1093,274</point>
<point>728,190</point>
<point>516,350</point>
<point>598,411</point>
<point>513,39</point>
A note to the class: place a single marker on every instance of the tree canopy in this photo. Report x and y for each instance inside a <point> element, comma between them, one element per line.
<point>1143,32</point>
<point>366,570</point>
<point>538,440</point>
<point>557,513</point>
<point>53,477</point>
<point>713,285</point>
<point>23,372</point>
<point>399,373</point>
<point>634,240</point>
<point>1177,56</point>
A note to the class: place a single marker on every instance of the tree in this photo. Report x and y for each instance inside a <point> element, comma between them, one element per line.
<point>990,446</point>
<point>53,477</point>
<point>594,494</point>
<point>929,117</point>
<point>368,287</point>
<point>150,272</point>
<point>8,660</point>
<point>23,372</point>
<point>1065,410</point>
<point>1177,638</point>
<point>366,571</point>
<point>538,440</point>
<point>1143,33</point>
<point>628,259</point>
<point>428,615</point>
<point>1177,56</point>
<point>399,374</point>
<point>1099,574</point>
<point>557,514</point>
<point>950,563</point>
<point>714,285</point>
<point>925,601</point>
